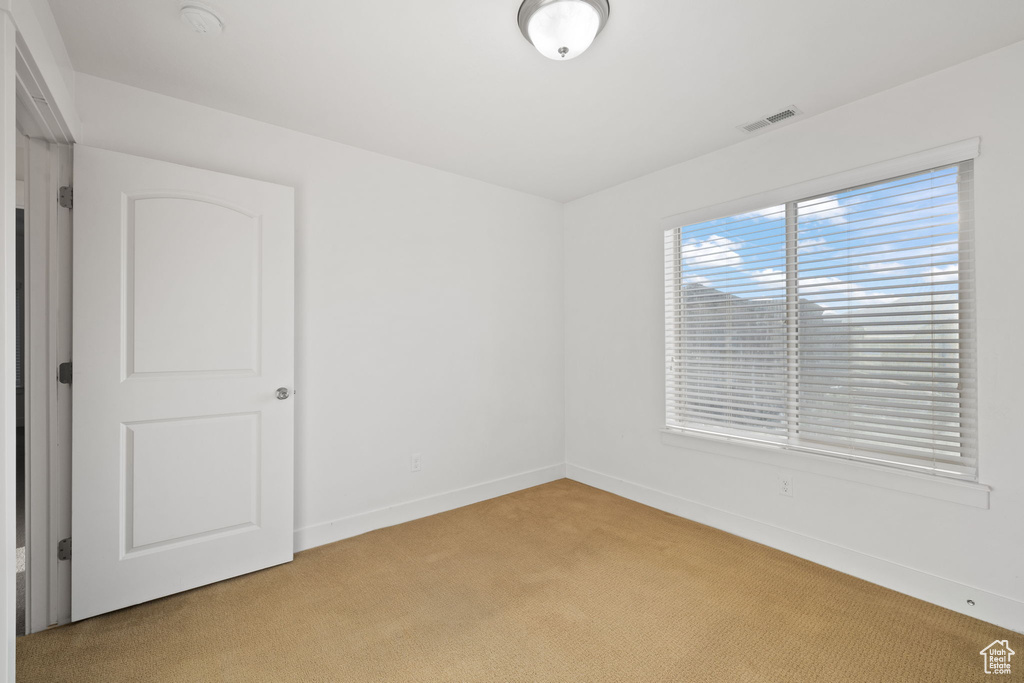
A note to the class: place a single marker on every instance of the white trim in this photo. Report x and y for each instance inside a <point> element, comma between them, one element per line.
<point>360,523</point>
<point>21,164</point>
<point>932,158</point>
<point>59,229</point>
<point>996,609</point>
<point>35,373</point>
<point>45,76</point>
<point>47,168</point>
<point>39,117</point>
<point>883,476</point>
<point>8,417</point>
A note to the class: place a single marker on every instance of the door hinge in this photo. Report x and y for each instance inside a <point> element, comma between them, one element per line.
<point>66,197</point>
<point>64,373</point>
<point>64,549</point>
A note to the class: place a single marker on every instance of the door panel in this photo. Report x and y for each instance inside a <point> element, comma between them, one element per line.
<point>183,330</point>
<point>209,321</point>
<point>166,503</point>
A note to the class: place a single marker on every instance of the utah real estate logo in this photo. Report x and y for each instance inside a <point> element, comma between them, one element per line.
<point>997,657</point>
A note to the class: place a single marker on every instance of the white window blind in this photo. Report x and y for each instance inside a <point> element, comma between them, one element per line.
<point>840,324</point>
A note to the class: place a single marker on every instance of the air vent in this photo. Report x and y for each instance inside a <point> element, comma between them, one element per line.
<point>775,118</point>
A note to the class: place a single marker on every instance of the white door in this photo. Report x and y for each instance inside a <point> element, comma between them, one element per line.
<point>182,441</point>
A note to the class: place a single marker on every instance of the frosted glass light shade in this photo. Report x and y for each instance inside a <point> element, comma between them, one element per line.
<point>562,29</point>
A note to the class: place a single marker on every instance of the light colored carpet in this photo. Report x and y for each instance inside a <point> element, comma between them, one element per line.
<point>560,582</point>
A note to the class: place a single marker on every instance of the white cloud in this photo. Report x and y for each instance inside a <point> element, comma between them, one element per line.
<point>769,275</point>
<point>827,284</point>
<point>714,252</point>
<point>828,287</point>
<point>812,245</point>
<point>948,273</point>
<point>880,265</point>
<point>823,212</point>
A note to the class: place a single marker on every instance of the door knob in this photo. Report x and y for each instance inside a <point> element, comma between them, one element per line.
<point>283,393</point>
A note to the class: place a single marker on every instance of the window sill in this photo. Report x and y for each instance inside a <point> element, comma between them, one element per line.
<point>953,490</point>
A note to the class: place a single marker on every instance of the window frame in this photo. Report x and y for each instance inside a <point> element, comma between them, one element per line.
<point>960,489</point>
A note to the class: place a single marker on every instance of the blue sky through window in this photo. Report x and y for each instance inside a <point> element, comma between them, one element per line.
<point>849,244</point>
<point>865,354</point>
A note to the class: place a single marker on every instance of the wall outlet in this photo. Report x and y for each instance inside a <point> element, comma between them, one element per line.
<point>786,484</point>
<point>416,462</point>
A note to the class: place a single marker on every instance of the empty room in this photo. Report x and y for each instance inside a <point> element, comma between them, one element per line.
<point>505,340</point>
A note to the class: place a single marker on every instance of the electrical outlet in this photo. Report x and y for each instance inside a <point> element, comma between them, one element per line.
<point>786,484</point>
<point>416,462</point>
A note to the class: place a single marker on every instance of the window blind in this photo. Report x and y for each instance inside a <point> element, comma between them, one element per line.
<point>840,324</point>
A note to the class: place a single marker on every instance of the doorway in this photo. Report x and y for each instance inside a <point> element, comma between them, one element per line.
<point>19,389</point>
<point>21,549</point>
<point>42,262</point>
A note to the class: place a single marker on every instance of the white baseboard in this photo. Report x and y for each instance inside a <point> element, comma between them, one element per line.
<point>353,525</point>
<point>996,609</point>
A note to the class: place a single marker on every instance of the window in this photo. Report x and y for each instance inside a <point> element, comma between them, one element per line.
<point>840,324</point>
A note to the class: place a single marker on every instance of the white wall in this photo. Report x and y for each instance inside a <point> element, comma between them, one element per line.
<point>430,320</point>
<point>429,313</point>
<point>944,551</point>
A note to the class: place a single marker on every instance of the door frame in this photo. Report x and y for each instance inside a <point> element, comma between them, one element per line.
<point>45,135</point>
<point>47,402</point>
<point>35,95</point>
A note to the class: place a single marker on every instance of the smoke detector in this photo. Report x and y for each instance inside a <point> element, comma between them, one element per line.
<point>201,18</point>
<point>770,120</point>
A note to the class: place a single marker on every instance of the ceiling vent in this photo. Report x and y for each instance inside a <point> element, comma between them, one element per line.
<point>778,117</point>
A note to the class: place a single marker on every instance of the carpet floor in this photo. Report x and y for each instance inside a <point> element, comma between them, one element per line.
<point>560,582</point>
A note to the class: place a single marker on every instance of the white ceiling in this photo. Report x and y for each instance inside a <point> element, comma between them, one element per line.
<point>452,83</point>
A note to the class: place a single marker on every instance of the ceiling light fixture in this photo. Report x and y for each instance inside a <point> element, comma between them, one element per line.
<point>201,18</point>
<point>562,29</point>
